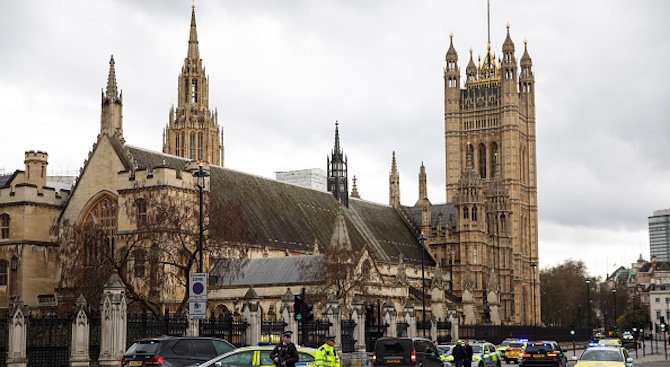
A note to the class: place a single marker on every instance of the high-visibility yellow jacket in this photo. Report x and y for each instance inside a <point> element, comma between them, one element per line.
<point>327,356</point>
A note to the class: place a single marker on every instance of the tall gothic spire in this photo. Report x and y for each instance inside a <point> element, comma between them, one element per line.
<point>111,106</point>
<point>111,91</point>
<point>337,171</point>
<point>193,52</point>
<point>394,184</point>
<point>354,189</point>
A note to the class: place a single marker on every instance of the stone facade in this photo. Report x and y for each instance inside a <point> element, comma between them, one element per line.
<point>480,248</point>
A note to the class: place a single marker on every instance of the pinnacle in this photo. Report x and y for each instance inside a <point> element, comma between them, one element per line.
<point>111,91</point>
<point>193,51</point>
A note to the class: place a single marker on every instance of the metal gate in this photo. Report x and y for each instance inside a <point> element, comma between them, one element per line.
<point>4,336</point>
<point>401,329</point>
<point>443,332</point>
<point>313,333</point>
<point>94,337</point>
<point>228,327</point>
<point>271,331</point>
<point>372,333</point>
<point>146,325</point>
<point>48,340</point>
<point>347,337</point>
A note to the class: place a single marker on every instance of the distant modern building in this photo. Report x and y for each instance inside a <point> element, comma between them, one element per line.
<point>311,178</point>
<point>659,235</point>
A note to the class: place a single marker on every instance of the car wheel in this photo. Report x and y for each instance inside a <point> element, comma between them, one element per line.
<point>498,363</point>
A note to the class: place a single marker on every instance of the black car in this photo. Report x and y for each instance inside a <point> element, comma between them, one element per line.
<point>170,351</point>
<point>401,352</point>
<point>543,353</point>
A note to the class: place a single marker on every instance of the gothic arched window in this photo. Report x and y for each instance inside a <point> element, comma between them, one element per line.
<point>4,265</point>
<point>482,160</point>
<point>191,142</point>
<point>101,218</point>
<point>194,91</point>
<point>141,212</point>
<point>177,144</point>
<point>200,146</point>
<point>494,158</point>
<point>4,226</point>
<point>465,212</point>
<point>139,257</point>
<point>474,213</point>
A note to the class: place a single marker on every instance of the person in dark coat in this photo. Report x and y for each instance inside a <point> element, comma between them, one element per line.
<point>459,354</point>
<point>285,353</point>
<point>468,354</point>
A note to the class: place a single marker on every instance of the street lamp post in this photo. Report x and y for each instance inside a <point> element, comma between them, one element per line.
<point>588,305</point>
<point>200,175</point>
<point>423,286</point>
<point>614,301</point>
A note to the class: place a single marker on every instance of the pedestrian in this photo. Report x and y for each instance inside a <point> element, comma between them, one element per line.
<point>285,354</point>
<point>459,354</point>
<point>467,362</point>
<point>326,355</point>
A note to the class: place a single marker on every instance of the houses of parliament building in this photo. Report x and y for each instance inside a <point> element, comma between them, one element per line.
<point>480,248</point>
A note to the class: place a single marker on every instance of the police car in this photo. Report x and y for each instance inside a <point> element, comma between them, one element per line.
<point>484,354</point>
<point>259,356</point>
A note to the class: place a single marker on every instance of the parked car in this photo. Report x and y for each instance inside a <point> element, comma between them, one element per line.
<point>174,351</point>
<point>543,353</point>
<point>484,354</point>
<point>396,352</point>
<point>259,356</point>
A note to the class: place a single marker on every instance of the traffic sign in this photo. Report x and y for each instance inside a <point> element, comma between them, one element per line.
<point>197,287</point>
<point>197,310</point>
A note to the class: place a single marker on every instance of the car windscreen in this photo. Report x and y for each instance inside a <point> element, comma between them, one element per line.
<point>444,349</point>
<point>602,355</point>
<point>516,345</point>
<point>143,347</point>
<point>476,348</point>
<point>504,344</point>
<point>539,348</point>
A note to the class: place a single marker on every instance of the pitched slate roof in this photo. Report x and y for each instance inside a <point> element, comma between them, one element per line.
<point>267,271</point>
<point>287,216</point>
<point>435,210</point>
<point>4,180</point>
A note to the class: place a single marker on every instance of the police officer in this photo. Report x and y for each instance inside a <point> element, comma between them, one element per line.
<point>459,354</point>
<point>468,354</point>
<point>285,354</point>
<point>326,354</point>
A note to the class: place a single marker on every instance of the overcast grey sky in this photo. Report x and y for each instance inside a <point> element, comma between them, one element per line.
<point>282,72</point>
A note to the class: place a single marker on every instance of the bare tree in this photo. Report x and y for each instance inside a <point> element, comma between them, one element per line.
<point>156,246</point>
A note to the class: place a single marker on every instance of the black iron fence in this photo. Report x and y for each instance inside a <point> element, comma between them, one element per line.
<point>271,331</point>
<point>232,328</point>
<point>313,333</point>
<point>147,325</point>
<point>347,335</point>
<point>401,329</point>
<point>423,328</point>
<point>372,333</point>
<point>48,339</point>
<point>95,335</point>
<point>4,335</point>
<point>497,333</point>
<point>443,331</point>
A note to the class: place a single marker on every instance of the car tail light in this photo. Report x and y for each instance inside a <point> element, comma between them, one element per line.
<point>552,354</point>
<point>374,358</point>
<point>124,362</point>
<point>155,360</point>
<point>413,358</point>
<point>525,355</point>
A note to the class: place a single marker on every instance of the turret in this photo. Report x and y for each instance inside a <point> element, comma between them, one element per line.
<point>112,104</point>
<point>452,78</point>
<point>354,189</point>
<point>471,69</point>
<point>394,184</point>
<point>337,171</point>
<point>469,198</point>
<point>423,187</point>
<point>527,79</point>
<point>509,66</point>
<point>36,168</point>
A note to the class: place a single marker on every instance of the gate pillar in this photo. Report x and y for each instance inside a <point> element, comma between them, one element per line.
<point>113,317</point>
<point>334,316</point>
<point>17,336</point>
<point>358,315</point>
<point>80,335</point>
<point>410,318</point>
<point>390,318</point>
<point>286,312</point>
<point>251,312</point>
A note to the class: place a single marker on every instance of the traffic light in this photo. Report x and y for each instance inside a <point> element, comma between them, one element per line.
<point>307,310</point>
<point>298,307</point>
<point>663,326</point>
<point>572,329</point>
